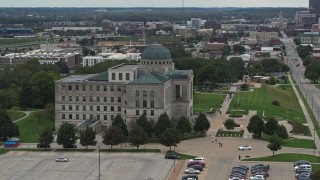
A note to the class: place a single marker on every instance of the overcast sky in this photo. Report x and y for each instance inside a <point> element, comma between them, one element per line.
<point>154,3</point>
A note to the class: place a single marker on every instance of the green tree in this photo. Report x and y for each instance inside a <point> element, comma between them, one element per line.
<point>202,124</point>
<point>255,126</point>
<point>5,100</point>
<point>297,41</point>
<point>25,99</point>
<point>237,67</point>
<point>275,144</point>
<point>170,137</point>
<point>162,124</point>
<point>270,127</point>
<point>137,136</point>
<point>63,67</point>
<point>145,124</point>
<point>112,136</point>
<point>308,60</point>
<point>88,137</point>
<point>50,111</point>
<point>312,71</point>
<point>43,87</point>
<point>238,48</point>
<point>282,132</point>
<point>272,81</point>
<point>46,137</point>
<point>226,50</point>
<point>184,125</point>
<point>230,124</point>
<point>119,122</point>
<point>66,134</point>
<point>7,128</point>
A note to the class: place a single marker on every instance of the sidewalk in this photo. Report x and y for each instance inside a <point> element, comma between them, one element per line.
<point>306,114</point>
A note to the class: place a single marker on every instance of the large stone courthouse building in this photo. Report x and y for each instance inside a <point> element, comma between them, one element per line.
<point>150,87</point>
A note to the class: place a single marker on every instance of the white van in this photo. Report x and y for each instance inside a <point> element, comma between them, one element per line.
<point>197,159</point>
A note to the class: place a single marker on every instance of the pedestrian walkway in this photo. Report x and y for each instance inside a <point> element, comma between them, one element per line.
<point>306,114</point>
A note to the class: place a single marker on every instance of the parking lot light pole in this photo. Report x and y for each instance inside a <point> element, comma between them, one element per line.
<point>99,163</point>
<point>314,139</point>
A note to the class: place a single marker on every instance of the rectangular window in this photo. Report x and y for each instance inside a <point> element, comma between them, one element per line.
<point>113,75</point>
<point>137,112</point>
<point>98,117</point>
<point>111,88</point>
<point>104,88</point>
<point>112,108</point>
<point>84,99</point>
<point>120,76</point>
<point>70,98</point>
<point>98,99</point>
<point>63,107</point>
<point>127,76</point>
<point>112,117</point>
<point>152,103</point>
<point>119,88</point>
<point>83,88</point>
<point>70,116</point>
<point>144,93</point>
<point>84,117</point>
<point>105,108</point>
<point>98,108</point>
<point>77,98</point>
<point>70,87</point>
<point>77,116</point>
<point>98,88</point>
<point>144,103</point>
<point>119,108</point>
<point>91,108</point>
<point>112,99</point>
<point>63,116</point>
<point>77,87</point>
<point>137,103</point>
<point>63,87</point>
<point>145,112</point>
<point>91,99</point>
<point>91,116</point>
<point>137,93</point>
<point>104,99</point>
<point>77,107</point>
<point>152,112</point>
<point>63,98</point>
<point>151,93</point>
<point>105,117</point>
<point>91,88</point>
<point>84,108</point>
<point>119,99</point>
<point>70,107</point>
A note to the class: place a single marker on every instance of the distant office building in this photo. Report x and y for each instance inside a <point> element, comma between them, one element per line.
<point>263,37</point>
<point>101,57</point>
<point>151,87</point>
<point>314,6</point>
<point>196,23</point>
<point>16,32</point>
<point>310,38</point>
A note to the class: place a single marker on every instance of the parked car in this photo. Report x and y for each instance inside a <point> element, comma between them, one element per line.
<point>266,166</point>
<point>297,163</point>
<point>43,145</point>
<point>196,167</point>
<point>191,171</point>
<point>190,177</point>
<point>69,146</point>
<point>191,163</point>
<point>303,166</point>
<point>241,167</point>
<point>241,148</point>
<point>171,155</point>
<point>62,159</point>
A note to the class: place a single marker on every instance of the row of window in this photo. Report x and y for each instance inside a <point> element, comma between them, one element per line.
<point>91,99</point>
<point>156,62</point>
<point>113,76</point>
<point>91,108</point>
<point>90,88</point>
<point>138,112</point>
<point>145,104</point>
<point>144,93</point>
<point>86,116</point>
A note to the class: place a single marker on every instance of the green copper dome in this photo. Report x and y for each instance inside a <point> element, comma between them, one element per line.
<point>156,52</point>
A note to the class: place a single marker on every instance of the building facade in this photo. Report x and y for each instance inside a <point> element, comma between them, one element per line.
<point>151,87</point>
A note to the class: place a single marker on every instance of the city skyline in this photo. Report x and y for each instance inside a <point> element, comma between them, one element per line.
<point>156,3</point>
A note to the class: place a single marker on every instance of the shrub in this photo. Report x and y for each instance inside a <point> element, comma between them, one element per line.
<point>244,87</point>
<point>282,132</point>
<point>276,103</point>
<point>230,124</point>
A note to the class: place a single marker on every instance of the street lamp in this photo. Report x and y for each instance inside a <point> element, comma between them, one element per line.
<point>99,163</point>
<point>314,139</point>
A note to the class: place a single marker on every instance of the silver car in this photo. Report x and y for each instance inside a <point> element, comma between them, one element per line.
<point>62,159</point>
<point>191,171</point>
<point>241,148</point>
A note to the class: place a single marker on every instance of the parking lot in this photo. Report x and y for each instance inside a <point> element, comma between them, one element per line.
<point>124,166</point>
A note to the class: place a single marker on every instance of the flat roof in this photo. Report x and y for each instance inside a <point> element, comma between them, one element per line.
<point>76,78</point>
<point>124,67</point>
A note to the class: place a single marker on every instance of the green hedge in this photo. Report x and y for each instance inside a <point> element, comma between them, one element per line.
<point>221,133</point>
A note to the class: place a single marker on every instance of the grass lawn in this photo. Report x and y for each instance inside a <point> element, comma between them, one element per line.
<point>298,128</point>
<point>203,102</point>
<point>14,115</point>
<point>296,143</point>
<point>31,127</point>
<point>287,157</point>
<point>261,100</point>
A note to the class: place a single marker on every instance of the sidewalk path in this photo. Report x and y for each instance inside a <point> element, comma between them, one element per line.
<point>27,114</point>
<point>306,114</point>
